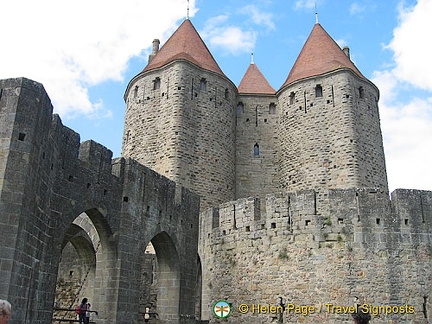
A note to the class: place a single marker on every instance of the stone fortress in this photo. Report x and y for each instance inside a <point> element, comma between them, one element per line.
<point>246,194</point>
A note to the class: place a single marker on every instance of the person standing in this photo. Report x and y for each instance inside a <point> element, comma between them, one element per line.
<point>361,316</point>
<point>83,307</point>
<point>88,313</point>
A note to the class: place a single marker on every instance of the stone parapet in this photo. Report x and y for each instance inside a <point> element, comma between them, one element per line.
<point>354,246</point>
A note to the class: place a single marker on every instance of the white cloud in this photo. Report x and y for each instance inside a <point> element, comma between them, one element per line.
<point>259,17</point>
<point>356,9</point>
<point>308,4</point>
<point>407,132</point>
<point>341,42</point>
<point>70,46</point>
<point>412,47</point>
<point>235,38</point>
<point>406,117</point>
<point>232,39</point>
<point>305,4</point>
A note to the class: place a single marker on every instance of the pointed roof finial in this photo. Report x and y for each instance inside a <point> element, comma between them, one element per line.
<point>252,58</point>
<point>316,15</point>
<point>187,15</point>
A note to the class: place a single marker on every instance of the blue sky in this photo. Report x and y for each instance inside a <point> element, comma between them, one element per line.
<point>86,51</point>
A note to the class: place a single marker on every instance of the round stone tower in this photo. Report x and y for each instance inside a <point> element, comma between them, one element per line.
<point>180,117</point>
<point>329,129</point>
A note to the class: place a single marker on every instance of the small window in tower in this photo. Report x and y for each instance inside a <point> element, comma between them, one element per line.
<point>272,108</point>
<point>156,84</point>
<point>203,84</point>
<point>361,92</point>
<point>226,94</point>
<point>292,98</point>
<point>136,92</point>
<point>318,91</point>
<point>240,108</point>
<point>256,149</point>
<point>21,136</point>
<point>127,136</point>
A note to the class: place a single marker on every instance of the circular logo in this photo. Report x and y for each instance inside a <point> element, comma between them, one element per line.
<point>222,309</point>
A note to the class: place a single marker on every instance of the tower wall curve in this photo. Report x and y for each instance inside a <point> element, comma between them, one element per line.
<point>180,121</point>
<point>329,133</point>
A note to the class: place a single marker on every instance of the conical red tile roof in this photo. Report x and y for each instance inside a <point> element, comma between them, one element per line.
<point>254,82</point>
<point>186,44</point>
<point>320,54</point>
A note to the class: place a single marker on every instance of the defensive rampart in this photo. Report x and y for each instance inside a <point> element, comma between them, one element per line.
<point>348,247</point>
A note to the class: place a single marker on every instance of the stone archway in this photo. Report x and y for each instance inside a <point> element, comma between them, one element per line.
<point>161,276</point>
<point>77,266</point>
<point>87,255</point>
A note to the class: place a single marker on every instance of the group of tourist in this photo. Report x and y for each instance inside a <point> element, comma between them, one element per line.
<point>83,311</point>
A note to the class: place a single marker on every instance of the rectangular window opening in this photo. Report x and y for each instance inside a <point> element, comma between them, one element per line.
<point>21,136</point>
<point>318,91</point>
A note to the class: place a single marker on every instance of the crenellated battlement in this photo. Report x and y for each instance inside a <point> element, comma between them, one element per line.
<point>39,142</point>
<point>343,215</point>
<point>341,246</point>
<point>33,130</point>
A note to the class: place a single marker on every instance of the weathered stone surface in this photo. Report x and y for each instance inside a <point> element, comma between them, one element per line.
<point>49,179</point>
<point>330,138</point>
<point>312,253</point>
<point>185,129</point>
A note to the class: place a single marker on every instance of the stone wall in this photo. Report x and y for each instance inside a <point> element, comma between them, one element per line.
<point>330,137</point>
<point>354,247</point>
<point>256,125</point>
<point>185,130</point>
<point>48,179</point>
